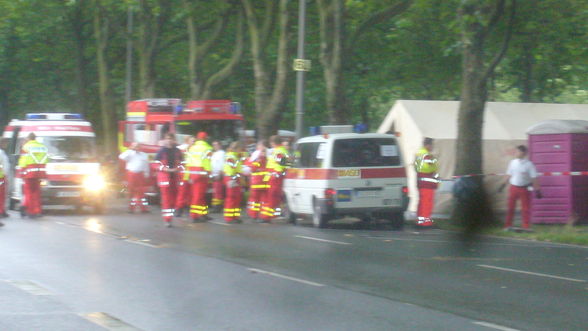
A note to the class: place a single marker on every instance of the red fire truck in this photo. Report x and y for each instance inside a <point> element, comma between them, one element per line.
<point>148,120</point>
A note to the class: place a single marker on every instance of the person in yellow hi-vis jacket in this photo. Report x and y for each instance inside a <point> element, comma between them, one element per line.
<point>426,167</point>
<point>31,165</point>
<point>277,163</point>
<point>184,188</point>
<point>232,181</point>
<point>257,186</point>
<point>199,168</point>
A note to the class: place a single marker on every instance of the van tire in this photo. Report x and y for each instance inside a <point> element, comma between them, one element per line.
<point>319,220</point>
<point>290,216</point>
<point>12,204</point>
<point>396,220</point>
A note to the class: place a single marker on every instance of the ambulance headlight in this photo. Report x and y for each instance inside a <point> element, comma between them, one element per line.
<point>94,183</point>
<point>44,182</point>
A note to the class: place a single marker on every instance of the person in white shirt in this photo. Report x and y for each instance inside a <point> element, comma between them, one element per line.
<point>4,171</point>
<point>137,167</point>
<point>217,162</point>
<point>521,175</point>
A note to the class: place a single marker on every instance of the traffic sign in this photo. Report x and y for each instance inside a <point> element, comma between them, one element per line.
<point>302,65</point>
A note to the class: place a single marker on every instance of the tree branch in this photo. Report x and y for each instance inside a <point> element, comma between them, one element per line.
<point>508,34</point>
<point>379,17</point>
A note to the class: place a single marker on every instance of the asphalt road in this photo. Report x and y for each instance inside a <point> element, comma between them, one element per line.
<point>125,272</point>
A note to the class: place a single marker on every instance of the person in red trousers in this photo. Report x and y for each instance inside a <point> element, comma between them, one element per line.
<point>257,186</point>
<point>521,175</point>
<point>217,163</point>
<point>169,159</point>
<point>277,163</point>
<point>184,189</point>
<point>232,181</point>
<point>198,163</point>
<point>137,167</point>
<point>31,165</point>
<point>425,165</point>
<point>4,169</point>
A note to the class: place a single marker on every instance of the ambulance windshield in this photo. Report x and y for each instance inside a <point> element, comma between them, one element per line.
<point>70,148</point>
<point>225,131</point>
<point>365,152</point>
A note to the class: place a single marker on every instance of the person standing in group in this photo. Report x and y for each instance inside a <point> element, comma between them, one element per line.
<point>31,165</point>
<point>232,182</point>
<point>277,164</point>
<point>521,175</point>
<point>169,158</point>
<point>4,170</point>
<point>199,167</point>
<point>137,167</point>
<point>184,188</point>
<point>426,167</point>
<point>257,186</point>
<point>217,165</point>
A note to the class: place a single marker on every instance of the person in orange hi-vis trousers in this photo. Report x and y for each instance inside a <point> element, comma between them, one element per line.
<point>232,180</point>
<point>31,165</point>
<point>169,159</point>
<point>217,162</point>
<point>184,189</point>
<point>426,167</point>
<point>4,169</point>
<point>257,186</point>
<point>199,168</point>
<point>277,163</point>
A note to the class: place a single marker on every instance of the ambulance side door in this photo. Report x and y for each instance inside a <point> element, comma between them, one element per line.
<point>310,183</point>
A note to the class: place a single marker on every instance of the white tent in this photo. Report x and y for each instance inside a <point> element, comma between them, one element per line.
<point>505,127</point>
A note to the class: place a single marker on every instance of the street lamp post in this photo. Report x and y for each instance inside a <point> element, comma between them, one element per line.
<point>300,65</point>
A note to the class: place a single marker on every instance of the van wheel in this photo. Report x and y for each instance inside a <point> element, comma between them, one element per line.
<point>319,220</point>
<point>290,216</point>
<point>396,220</point>
<point>12,204</point>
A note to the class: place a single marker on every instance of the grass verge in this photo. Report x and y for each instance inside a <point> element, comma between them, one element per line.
<point>556,233</point>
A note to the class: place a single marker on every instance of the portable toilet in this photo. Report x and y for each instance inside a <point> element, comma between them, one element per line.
<point>557,148</point>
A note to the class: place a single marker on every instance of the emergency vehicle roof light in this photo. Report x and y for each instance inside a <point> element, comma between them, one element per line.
<point>73,117</point>
<point>36,116</point>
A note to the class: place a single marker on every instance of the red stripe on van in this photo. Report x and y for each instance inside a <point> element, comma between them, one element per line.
<point>383,172</point>
<point>315,173</point>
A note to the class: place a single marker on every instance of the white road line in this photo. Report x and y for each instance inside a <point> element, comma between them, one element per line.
<point>269,273</point>
<point>30,287</point>
<point>108,322</point>
<point>142,243</point>
<point>532,273</point>
<point>495,326</point>
<point>219,223</point>
<point>324,240</point>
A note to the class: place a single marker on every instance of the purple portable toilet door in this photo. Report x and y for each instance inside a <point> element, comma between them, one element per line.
<point>560,146</point>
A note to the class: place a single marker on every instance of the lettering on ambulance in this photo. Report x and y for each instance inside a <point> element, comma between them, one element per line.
<point>348,173</point>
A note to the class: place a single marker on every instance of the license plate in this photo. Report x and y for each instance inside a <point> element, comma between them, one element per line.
<point>68,194</point>
<point>367,194</point>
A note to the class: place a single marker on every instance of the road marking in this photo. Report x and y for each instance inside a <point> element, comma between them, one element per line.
<point>532,273</point>
<point>324,240</point>
<point>219,223</point>
<point>269,273</point>
<point>495,326</point>
<point>30,287</point>
<point>142,243</point>
<point>108,322</point>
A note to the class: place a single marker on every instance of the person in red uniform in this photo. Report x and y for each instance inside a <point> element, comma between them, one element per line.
<point>277,163</point>
<point>4,167</point>
<point>184,189</point>
<point>198,163</point>
<point>426,167</point>
<point>217,162</point>
<point>257,186</point>
<point>137,166</point>
<point>169,159</point>
<point>232,182</point>
<point>31,165</point>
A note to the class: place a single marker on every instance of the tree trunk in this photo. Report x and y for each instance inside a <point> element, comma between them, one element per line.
<point>270,95</point>
<point>107,112</point>
<point>77,21</point>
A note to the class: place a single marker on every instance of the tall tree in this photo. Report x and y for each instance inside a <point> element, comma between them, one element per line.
<point>270,95</point>
<point>102,22</point>
<point>152,18</point>
<point>203,81</point>
<point>337,47</point>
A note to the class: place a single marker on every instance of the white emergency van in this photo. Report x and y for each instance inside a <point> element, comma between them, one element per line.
<point>73,171</point>
<point>347,174</point>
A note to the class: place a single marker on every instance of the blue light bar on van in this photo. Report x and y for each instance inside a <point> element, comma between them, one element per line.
<point>73,117</point>
<point>36,116</point>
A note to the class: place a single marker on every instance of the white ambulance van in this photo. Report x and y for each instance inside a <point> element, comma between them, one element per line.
<point>347,174</point>
<point>73,171</point>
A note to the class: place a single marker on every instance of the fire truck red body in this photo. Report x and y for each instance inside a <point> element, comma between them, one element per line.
<point>148,120</point>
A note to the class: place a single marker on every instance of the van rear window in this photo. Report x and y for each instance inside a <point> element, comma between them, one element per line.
<point>366,152</point>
